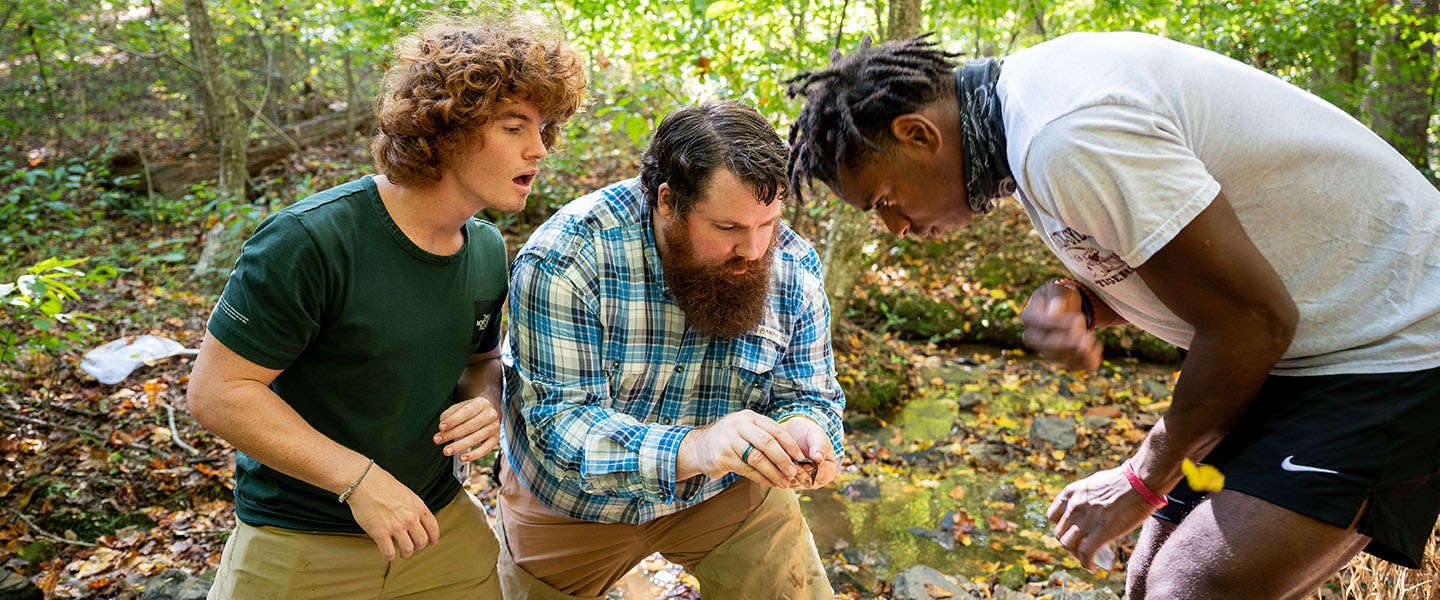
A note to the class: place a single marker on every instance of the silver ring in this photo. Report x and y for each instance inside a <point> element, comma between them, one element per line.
<point>745,456</point>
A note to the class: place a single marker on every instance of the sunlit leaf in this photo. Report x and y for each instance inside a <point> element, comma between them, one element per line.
<point>1202,478</point>
<point>720,9</point>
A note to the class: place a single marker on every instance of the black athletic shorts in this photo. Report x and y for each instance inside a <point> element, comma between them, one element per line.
<point>1321,446</point>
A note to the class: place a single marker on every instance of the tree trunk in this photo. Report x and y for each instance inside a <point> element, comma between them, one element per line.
<point>1037,20</point>
<point>234,127</point>
<point>51,101</point>
<point>5,20</point>
<point>173,177</point>
<point>1399,105</point>
<point>849,227</point>
<point>209,121</point>
<point>349,93</point>
<point>904,19</point>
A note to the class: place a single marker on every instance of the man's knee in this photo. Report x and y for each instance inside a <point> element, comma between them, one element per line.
<point>775,547</point>
<point>1137,570</point>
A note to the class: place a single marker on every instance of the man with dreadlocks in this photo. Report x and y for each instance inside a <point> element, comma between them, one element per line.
<point>1293,253</point>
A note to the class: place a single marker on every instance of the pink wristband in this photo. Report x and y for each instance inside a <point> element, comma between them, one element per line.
<point>1139,486</point>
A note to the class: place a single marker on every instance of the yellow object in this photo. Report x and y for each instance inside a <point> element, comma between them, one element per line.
<point>1202,478</point>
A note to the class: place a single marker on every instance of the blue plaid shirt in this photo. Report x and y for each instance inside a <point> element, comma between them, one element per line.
<point>603,377</point>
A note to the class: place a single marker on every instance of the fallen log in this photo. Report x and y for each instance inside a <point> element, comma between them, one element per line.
<point>173,177</point>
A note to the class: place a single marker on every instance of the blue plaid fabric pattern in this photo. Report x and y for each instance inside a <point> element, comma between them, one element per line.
<point>603,377</point>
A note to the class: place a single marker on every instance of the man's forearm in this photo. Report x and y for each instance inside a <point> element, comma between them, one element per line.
<point>482,378</point>
<point>254,420</point>
<point>1218,381</point>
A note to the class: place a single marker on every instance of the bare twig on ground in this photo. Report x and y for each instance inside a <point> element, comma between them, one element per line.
<point>84,432</point>
<point>199,531</point>
<point>175,433</point>
<point>46,534</point>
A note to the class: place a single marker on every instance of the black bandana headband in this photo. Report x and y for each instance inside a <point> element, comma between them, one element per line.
<point>982,129</point>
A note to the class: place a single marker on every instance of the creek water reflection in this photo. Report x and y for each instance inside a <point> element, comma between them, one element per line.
<point>951,482</point>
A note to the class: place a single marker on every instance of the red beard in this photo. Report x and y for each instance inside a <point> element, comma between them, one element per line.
<point>716,300</point>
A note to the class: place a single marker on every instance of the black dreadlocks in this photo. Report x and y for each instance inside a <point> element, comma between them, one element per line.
<point>850,105</point>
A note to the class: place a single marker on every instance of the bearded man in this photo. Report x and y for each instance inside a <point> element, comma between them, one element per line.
<point>669,379</point>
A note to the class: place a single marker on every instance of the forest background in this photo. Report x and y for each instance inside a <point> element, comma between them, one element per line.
<point>142,140</point>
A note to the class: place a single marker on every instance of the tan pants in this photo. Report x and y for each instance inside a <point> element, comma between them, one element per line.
<point>272,562</point>
<point>749,542</point>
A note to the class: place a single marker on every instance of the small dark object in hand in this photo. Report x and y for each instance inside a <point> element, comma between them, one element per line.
<point>805,472</point>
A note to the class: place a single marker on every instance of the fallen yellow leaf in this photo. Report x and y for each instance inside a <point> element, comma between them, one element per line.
<point>1202,478</point>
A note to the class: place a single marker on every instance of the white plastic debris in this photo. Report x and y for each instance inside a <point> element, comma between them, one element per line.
<point>113,361</point>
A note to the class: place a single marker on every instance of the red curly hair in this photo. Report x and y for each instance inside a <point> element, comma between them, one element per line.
<point>447,80</point>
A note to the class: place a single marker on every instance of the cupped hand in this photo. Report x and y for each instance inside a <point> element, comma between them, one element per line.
<point>819,465</point>
<point>720,448</point>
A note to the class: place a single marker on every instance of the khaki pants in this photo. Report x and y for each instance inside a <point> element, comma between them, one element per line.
<point>749,542</point>
<point>272,562</point>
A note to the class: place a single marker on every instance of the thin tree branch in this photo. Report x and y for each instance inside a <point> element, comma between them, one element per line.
<point>8,12</point>
<point>289,141</point>
<point>265,95</point>
<point>43,533</point>
<point>85,432</point>
<point>128,50</point>
<point>175,433</point>
<point>51,100</point>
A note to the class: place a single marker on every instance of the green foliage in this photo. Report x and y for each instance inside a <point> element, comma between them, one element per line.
<point>34,316</point>
<point>874,369</point>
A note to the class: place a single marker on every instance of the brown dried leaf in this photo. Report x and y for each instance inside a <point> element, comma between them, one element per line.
<point>936,591</point>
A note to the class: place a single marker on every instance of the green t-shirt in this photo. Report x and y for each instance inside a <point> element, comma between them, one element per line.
<point>371,334</point>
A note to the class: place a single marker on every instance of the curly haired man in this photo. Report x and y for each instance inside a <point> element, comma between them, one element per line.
<point>353,357</point>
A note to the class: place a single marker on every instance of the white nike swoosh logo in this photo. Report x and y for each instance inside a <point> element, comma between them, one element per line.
<point>1292,467</point>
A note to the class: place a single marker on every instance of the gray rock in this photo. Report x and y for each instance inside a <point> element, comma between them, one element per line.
<point>910,585</point>
<point>1158,390</point>
<point>174,584</point>
<point>969,400</point>
<point>1096,422</point>
<point>862,489</point>
<point>1004,593</point>
<point>1062,578</point>
<point>1054,432</point>
<point>14,586</point>
<point>1060,593</point>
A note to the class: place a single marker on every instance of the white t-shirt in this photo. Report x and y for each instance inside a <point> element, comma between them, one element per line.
<point>1118,140</point>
